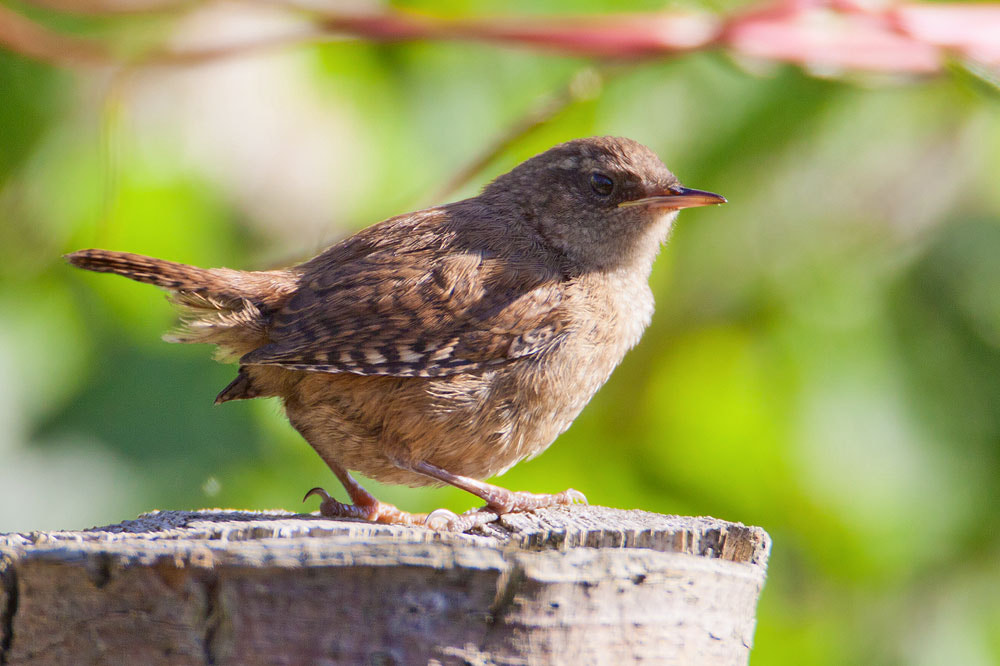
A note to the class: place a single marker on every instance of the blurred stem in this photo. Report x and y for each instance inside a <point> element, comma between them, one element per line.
<point>984,78</point>
<point>111,147</point>
<point>27,38</point>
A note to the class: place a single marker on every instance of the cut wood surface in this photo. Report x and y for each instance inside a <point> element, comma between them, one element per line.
<point>580,585</point>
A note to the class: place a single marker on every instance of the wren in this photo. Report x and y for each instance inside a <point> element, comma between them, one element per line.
<point>446,345</point>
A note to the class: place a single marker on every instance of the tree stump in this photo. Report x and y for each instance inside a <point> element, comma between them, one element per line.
<point>579,585</point>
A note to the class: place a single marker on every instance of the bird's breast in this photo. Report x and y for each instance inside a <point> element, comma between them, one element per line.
<point>550,390</point>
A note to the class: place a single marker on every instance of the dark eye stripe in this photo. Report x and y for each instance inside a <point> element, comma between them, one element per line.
<point>601,184</point>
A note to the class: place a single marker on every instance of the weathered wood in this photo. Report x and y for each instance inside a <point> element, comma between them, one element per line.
<point>580,584</point>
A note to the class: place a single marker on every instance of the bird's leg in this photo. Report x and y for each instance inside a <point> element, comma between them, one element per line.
<point>499,500</point>
<point>363,504</point>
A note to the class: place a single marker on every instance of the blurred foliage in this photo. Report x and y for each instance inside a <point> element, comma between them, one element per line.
<point>824,360</point>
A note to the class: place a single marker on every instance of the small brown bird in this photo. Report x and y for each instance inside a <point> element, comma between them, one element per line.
<point>446,345</point>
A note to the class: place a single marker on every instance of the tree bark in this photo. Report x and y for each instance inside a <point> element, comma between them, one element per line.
<point>579,585</point>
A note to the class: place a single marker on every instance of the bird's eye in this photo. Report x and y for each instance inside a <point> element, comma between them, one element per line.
<point>601,184</point>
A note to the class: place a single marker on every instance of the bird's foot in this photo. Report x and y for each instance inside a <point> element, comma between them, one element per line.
<point>383,512</point>
<point>371,509</point>
<point>498,500</point>
<point>501,500</point>
<point>500,503</point>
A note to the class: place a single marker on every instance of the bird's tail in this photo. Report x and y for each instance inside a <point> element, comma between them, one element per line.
<point>167,274</point>
<point>219,306</point>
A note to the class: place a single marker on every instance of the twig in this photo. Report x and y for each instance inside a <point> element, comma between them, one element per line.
<point>27,38</point>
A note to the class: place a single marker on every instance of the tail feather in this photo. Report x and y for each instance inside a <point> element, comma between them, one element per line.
<point>234,326</point>
<point>218,306</point>
<point>162,273</point>
<point>223,286</point>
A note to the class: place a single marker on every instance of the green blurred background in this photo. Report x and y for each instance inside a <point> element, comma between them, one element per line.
<point>824,360</point>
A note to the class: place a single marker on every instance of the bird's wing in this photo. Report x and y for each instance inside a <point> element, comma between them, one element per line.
<point>418,312</point>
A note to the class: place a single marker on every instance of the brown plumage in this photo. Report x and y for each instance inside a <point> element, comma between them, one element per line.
<point>446,345</point>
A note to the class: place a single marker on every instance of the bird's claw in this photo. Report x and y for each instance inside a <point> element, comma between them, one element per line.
<point>371,510</point>
<point>444,520</point>
<point>571,496</point>
<point>331,508</point>
<point>317,491</point>
<point>441,520</point>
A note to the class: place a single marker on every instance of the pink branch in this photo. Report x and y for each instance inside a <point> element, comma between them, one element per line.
<point>609,36</point>
<point>972,30</point>
<point>833,35</point>
<point>824,37</point>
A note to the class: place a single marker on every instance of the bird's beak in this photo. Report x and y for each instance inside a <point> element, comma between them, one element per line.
<point>675,199</point>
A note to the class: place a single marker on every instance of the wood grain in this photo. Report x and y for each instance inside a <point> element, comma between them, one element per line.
<point>581,585</point>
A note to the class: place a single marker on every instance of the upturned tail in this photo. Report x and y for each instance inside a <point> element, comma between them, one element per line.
<point>167,274</point>
<point>218,306</point>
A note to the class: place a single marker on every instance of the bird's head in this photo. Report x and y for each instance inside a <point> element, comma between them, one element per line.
<point>604,202</point>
